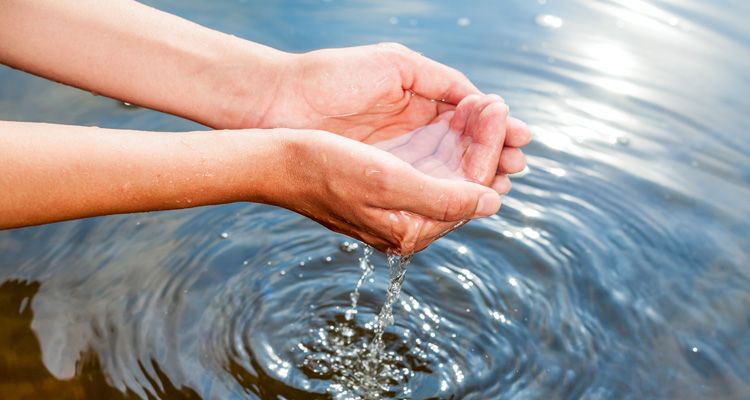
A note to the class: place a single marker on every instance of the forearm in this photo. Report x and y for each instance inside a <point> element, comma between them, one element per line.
<point>54,172</point>
<point>129,51</point>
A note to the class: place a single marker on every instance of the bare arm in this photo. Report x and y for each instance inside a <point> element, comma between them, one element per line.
<point>127,50</point>
<point>57,172</point>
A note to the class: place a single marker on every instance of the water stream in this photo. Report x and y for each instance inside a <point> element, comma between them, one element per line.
<point>355,358</point>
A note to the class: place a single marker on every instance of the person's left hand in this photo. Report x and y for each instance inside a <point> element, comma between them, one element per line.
<point>465,143</point>
<point>462,144</point>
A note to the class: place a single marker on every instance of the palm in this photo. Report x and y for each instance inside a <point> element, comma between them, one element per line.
<point>464,144</point>
<point>359,93</point>
<point>454,146</point>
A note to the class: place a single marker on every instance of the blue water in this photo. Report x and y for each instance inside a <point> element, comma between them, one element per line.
<point>618,268</point>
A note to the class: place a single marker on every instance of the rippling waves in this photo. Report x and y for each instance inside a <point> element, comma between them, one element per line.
<point>617,268</point>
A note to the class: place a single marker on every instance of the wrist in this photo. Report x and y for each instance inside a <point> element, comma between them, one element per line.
<point>250,165</point>
<point>242,81</point>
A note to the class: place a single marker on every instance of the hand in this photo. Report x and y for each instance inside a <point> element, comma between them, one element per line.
<point>460,145</point>
<point>368,93</point>
<point>465,144</point>
<point>367,193</point>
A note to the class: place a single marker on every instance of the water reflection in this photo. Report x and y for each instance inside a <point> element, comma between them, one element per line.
<point>616,269</point>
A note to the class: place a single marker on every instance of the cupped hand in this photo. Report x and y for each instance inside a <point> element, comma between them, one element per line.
<point>465,143</point>
<point>370,94</point>
<point>405,192</point>
<point>372,195</point>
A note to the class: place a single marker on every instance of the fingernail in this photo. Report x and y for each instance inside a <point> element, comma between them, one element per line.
<point>488,205</point>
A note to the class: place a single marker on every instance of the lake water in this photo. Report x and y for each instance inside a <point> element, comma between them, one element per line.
<point>618,267</point>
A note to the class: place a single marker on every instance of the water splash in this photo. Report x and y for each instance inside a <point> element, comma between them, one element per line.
<point>357,358</point>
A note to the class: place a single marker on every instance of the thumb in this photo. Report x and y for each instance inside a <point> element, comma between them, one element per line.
<point>443,199</point>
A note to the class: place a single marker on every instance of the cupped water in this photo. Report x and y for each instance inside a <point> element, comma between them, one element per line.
<point>618,267</point>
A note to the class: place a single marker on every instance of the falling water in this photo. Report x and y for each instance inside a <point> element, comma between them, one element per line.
<point>356,358</point>
<point>397,271</point>
<point>366,266</point>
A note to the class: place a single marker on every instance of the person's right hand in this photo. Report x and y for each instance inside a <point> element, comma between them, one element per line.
<point>372,195</point>
<point>366,93</point>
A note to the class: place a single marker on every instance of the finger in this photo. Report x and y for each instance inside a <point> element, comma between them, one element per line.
<point>401,230</point>
<point>434,230</point>
<point>512,160</point>
<point>440,199</point>
<point>501,184</point>
<point>464,110</point>
<point>518,133</point>
<point>377,240</point>
<point>487,130</point>
<point>433,80</point>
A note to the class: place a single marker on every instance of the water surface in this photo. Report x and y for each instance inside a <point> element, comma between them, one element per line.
<point>617,268</point>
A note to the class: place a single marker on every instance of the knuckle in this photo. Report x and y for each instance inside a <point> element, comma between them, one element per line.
<point>394,46</point>
<point>382,183</point>
<point>460,75</point>
<point>501,108</point>
<point>454,207</point>
<point>496,97</point>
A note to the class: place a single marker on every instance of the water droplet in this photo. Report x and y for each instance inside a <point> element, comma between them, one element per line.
<point>549,21</point>
<point>347,247</point>
<point>370,171</point>
<point>328,259</point>
<point>463,21</point>
<point>393,20</point>
<point>224,235</point>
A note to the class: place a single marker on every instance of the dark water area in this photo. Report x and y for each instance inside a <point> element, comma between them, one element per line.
<point>618,267</point>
